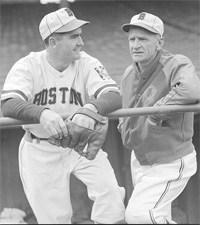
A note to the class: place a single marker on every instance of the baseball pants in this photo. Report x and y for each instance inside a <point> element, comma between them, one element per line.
<point>155,187</point>
<point>45,173</point>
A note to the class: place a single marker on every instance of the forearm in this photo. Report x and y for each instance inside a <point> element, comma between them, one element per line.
<point>183,93</point>
<point>180,95</point>
<point>103,105</point>
<point>107,103</point>
<point>19,109</point>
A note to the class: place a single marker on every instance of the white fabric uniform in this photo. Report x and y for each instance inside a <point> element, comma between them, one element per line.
<point>148,205</point>
<point>45,169</point>
<point>33,79</point>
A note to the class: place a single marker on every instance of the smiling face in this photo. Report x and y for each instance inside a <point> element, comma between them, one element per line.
<point>70,45</point>
<point>65,47</point>
<point>143,45</point>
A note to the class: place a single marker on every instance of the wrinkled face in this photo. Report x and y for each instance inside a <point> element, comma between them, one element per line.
<point>68,45</point>
<point>143,45</point>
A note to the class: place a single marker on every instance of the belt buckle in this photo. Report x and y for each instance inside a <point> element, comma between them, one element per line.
<point>37,140</point>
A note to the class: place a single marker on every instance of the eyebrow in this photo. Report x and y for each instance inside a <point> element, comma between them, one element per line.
<point>139,37</point>
<point>75,35</point>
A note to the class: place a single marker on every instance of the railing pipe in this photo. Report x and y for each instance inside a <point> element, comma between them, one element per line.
<point>130,112</point>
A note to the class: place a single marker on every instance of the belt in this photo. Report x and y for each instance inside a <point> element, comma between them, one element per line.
<point>37,138</point>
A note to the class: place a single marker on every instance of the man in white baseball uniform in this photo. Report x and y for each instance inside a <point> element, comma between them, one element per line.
<point>38,88</point>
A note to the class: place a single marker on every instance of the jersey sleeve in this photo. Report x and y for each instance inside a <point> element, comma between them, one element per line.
<point>19,81</point>
<point>98,79</point>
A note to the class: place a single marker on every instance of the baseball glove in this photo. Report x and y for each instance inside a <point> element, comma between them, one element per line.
<point>85,141</point>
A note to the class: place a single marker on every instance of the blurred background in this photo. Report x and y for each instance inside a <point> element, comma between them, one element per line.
<point>104,37</point>
<point>105,40</point>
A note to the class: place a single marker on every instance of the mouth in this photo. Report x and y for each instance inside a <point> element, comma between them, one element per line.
<point>137,53</point>
<point>76,50</point>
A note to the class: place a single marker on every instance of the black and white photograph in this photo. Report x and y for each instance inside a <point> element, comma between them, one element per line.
<point>100,112</point>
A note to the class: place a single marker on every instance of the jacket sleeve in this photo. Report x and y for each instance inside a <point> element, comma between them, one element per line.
<point>185,87</point>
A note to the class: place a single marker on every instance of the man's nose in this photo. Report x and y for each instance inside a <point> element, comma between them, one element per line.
<point>80,41</point>
<point>136,44</point>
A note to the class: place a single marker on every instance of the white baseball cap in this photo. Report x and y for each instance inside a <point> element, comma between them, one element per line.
<point>147,21</point>
<point>60,21</point>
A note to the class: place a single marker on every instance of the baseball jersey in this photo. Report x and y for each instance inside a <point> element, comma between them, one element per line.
<point>34,80</point>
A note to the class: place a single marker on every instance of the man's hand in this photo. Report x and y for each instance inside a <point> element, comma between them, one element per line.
<point>53,124</point>
<point>162,119</point>
<point>86,133</point>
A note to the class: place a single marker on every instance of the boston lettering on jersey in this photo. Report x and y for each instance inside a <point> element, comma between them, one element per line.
<point>46,96</point>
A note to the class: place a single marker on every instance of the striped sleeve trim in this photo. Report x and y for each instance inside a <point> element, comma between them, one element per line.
<point>108,87</point>
<point>13,93</point>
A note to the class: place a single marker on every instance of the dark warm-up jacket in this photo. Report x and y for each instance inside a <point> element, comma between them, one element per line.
<point>168,80</point>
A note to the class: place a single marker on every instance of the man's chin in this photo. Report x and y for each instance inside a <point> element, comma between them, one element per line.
<point>136,60</point>
<point>77,56</point>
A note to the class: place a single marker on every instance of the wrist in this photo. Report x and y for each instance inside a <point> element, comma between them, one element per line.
<point>91,107</point>
<point>42,114</point>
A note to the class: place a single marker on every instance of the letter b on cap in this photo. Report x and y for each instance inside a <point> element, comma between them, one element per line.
<point>141,16</point>
<point>70,13</point>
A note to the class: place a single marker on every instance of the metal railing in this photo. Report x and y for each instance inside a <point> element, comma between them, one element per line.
<point>131,112</point>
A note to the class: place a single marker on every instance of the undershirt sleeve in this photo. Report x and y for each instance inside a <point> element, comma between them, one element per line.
<point>107,102</point>
<point>21,110</point>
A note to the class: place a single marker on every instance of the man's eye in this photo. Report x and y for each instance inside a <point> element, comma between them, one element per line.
<point>143,39</point>
<point>74,36</point>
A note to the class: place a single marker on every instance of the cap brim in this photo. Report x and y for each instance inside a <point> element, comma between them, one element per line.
<point>127,26</point>
<point>72,25</point>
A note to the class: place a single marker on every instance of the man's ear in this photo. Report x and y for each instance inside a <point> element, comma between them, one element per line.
<point>52,42</point>
<point>160,43</point>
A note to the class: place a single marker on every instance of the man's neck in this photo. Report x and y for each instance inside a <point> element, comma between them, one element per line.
<point>143,66</point>
<point>57,63</point>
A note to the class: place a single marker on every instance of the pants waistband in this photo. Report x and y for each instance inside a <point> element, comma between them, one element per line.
<point>28,136</point>
<point>37,138</point>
